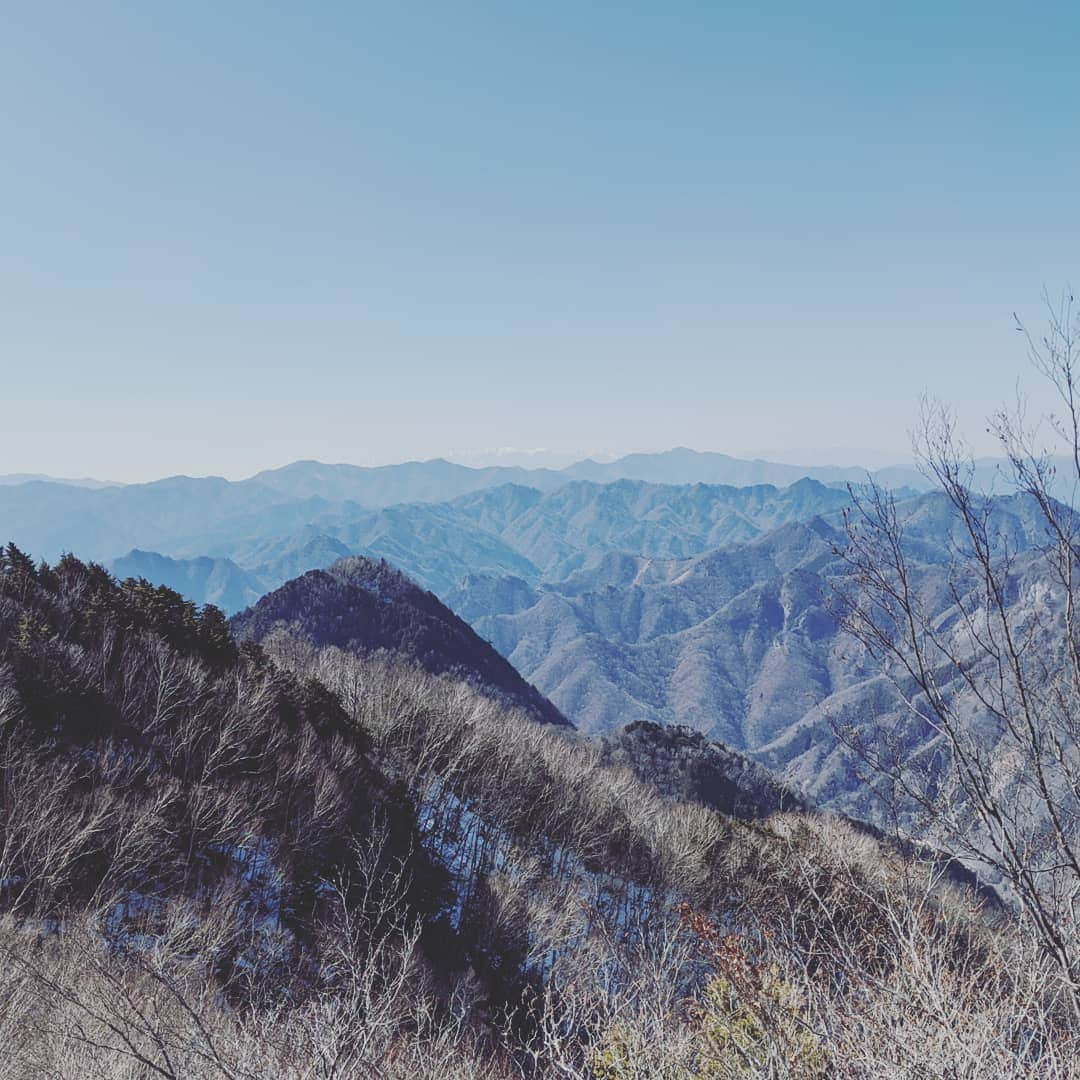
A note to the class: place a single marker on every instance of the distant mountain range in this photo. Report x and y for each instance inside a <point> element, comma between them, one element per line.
<point>621,600</point>
<point>384,485</point>
<point>7,479</point>
<point>739,643</point>
<point>439,480</point>
<point>507,531</point>
<point>185,517</point>
<point>209,581</point>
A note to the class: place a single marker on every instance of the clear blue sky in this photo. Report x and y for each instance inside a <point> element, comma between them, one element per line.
<point>236,234</point>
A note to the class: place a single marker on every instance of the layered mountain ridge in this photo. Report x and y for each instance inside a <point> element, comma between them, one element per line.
<point>368,607</point>
<point>701,605</point>
<point>183,516</point>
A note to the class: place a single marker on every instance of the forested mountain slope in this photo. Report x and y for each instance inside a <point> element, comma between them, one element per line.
<point>149,763</point>
<point>368,607</point>
<point>224,861</point>
<point>740,643</point>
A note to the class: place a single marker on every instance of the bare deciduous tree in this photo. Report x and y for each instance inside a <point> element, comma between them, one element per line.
<point>993,673</point>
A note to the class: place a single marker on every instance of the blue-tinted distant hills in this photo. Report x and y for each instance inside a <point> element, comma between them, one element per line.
<point>436,480</point>
<point>208,581</point>
<point>685,466</point>
<point>439,480</point>
<point>185,517</point>
<point>518,532</point>
<point>535,524</point>
<point>8,479</point>
<point>179,515</point>
<point>223,543</point>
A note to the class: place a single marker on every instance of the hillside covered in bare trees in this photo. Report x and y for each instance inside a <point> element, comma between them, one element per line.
<point>290,860</point>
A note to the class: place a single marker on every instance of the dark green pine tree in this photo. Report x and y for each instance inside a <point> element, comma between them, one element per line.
<point>19,572</point>
<point>19,564</point>
<point>215,639</point>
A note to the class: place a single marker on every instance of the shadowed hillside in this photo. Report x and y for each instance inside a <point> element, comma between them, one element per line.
<point>369,607</point>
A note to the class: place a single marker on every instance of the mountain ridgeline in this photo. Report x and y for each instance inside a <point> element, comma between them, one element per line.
<point>507,530</point>
<point>743,643</point>
<point>704,605</point>
<point>368,607</point>
<point>183,517</point>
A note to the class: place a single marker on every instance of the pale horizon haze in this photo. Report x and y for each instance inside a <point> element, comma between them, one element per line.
<point>242,234</point>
